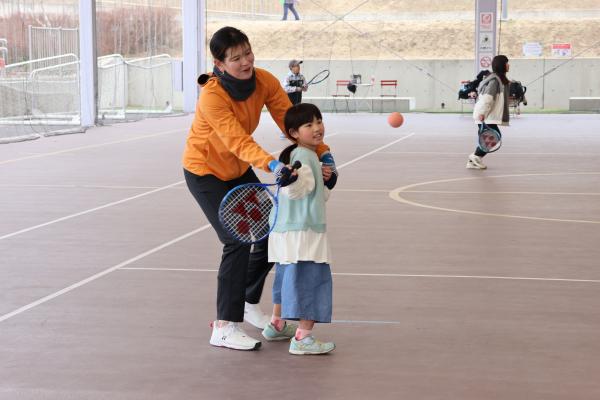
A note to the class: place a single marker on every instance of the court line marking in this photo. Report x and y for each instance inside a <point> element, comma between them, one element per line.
<point>100,274</point>
<point>531,193</point>
<point>82,187</point>
<point>88,211</point>
<point>142,255</point>
<point>337,190</point>
<point>468,192</point>
<point>396,195</point>
<point>376,150</point>
<point>91,146</point>
<point>503,153</point>
<point>348,321</point>
<point>384,275</point>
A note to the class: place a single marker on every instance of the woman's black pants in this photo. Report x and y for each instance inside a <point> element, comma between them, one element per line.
<point>243,267</point>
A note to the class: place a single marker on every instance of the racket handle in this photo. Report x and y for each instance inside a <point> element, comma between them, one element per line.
<point>297,165</point>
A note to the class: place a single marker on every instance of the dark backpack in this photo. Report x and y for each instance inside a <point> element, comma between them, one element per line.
<point>471,86</point>
<point>517,91</point>
<point>467,88</point>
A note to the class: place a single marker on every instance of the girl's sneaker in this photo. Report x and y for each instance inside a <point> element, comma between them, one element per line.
<point>272,334</point>
<point>310,345</point>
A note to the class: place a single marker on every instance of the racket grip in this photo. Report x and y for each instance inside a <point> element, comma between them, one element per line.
<point>297,165</point>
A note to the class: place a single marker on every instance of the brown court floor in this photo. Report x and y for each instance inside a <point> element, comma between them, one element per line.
<point>449,283</point>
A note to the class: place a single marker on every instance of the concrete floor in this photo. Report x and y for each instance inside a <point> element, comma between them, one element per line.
<point>449,283</point>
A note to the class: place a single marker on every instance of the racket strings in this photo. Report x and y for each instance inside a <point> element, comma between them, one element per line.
<point>245,213</point>
<point>489,140</point>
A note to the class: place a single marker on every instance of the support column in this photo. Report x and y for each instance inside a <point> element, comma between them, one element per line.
<point>88,63</point>
<point>485,33</point>
<point>194,49</point>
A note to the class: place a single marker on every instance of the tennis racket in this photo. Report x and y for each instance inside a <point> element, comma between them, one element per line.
<point>489,139</point>
<point>320,77</point>
<point>245,209</point>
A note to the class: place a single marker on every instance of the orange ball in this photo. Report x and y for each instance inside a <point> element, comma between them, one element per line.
<point>395,119</point>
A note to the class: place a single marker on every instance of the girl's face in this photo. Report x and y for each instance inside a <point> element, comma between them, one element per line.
<point>310,135</point>
<point>296,69</point>
<point>239,62</point>
<point>507,67</point>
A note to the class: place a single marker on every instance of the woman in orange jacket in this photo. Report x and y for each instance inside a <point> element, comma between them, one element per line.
<point>218,156</point>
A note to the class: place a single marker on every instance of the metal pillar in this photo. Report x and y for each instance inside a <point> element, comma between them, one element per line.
<point>194,49</point>
<point>88,68</point>
<point>485,33</point>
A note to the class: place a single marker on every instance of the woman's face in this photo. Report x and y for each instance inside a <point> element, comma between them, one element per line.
<point>239,62</point>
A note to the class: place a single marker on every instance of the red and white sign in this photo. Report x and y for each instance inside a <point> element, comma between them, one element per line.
<point>486,21</point>
<point>562,50</point>
<point>485,61</point>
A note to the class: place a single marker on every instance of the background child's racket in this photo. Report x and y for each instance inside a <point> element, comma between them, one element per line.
<point>318,78</point>
<point>490,139</point>
<point>244,211</point>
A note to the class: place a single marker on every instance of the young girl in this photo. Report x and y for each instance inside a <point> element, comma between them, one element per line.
<point>298,243</point>
<point>492,105</point>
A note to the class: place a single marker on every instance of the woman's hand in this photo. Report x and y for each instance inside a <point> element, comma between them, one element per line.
<point>481,118</point>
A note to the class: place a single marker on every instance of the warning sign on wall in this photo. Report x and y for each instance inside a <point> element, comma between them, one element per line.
<point>486,21</point>
<point>561,49</point>
<point>485,61</point>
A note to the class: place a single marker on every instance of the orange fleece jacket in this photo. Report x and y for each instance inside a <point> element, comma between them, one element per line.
<point>220,140</point>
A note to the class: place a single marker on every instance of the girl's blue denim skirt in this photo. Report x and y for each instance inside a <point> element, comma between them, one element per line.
<point>304,291</point>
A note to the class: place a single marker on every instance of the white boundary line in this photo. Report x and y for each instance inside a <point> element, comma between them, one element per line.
<point>91,146</point>
<point>503,153</point>
<point>91,210</point>
<point>146,253</point>
<point>347,321</point>
<point>375,151</point>
<point>494,193</point>
<point>78,187</point>
<point>396,194</point>
<point>100,274</point>
<point>67,217</point>
<point>384,275</point>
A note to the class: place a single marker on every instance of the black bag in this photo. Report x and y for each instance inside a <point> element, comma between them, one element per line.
<point>471,86</point>
<point>517,91</point>
<point>351,87</point>
<point>467,88</point>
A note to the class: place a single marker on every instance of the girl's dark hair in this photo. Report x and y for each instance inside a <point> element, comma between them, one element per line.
<point>295,117</point>
<point>499,67</point>
<point>226,38</point>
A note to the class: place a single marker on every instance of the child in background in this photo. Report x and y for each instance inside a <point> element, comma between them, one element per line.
<point>298,244</point>
<point>295,83</point>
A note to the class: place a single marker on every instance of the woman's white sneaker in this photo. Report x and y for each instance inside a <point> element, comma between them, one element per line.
<point>255,316</point>
<point>232,336</point>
